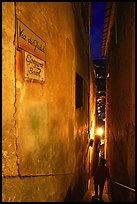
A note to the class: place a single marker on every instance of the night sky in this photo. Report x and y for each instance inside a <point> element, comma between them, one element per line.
<point>98,12</point>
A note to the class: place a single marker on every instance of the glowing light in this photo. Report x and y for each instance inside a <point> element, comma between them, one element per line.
<point>100,131</point>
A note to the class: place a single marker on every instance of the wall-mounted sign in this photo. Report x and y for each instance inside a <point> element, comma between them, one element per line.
<point>29,41</point>
<point>33,67</point>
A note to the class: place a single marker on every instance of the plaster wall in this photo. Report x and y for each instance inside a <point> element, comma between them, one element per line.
<point>45,139</point>
<point>8,91</point>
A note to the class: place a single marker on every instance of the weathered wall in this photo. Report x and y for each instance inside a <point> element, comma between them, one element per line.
<point>121,103</point>
<point>8,91</point>
<point>45,140</point>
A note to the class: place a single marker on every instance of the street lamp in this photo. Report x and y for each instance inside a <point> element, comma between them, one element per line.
<point>100,131</point>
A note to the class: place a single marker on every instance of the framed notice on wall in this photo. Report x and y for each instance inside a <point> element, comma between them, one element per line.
<point>34,68</point>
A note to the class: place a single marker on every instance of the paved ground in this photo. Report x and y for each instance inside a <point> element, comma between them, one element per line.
<point>90,192</point>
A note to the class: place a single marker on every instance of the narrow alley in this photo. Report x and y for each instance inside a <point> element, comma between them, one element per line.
<point>68,114</point>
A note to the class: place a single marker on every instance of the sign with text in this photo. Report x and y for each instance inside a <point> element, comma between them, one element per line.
<point>30,42</point>
<point>33,67</point>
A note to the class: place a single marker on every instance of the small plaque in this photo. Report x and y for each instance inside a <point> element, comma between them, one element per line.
<point>33,68</point>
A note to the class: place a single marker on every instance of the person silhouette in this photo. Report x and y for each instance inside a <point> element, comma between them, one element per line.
<point>100,176</point>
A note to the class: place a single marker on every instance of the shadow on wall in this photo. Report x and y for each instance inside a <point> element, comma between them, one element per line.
<point>120,194</point>
<point>120,171</point>
<point>78,192</point>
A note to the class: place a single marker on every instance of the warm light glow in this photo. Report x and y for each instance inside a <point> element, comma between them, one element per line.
<point>100,131</point>
<point>92,130</point>
<point>90,148</point>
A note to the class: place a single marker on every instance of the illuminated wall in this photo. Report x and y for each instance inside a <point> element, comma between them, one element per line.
<point>45,138</point>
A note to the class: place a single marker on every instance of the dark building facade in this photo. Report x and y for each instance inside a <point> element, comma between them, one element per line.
<point>118,47</point>
<point>100,68</point>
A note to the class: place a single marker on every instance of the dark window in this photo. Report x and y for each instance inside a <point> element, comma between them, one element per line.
<point>79,91</point>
